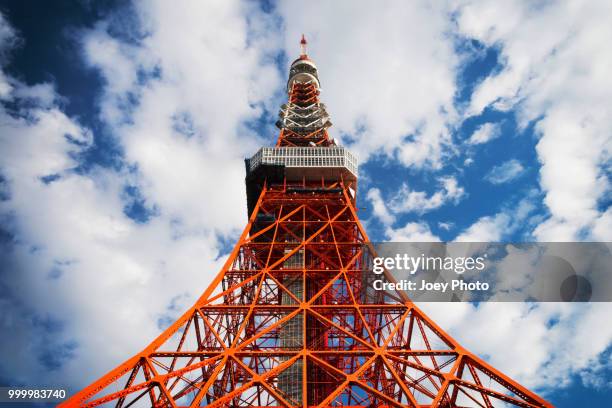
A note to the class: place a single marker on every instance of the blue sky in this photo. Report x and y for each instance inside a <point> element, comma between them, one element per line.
<point>123,127</point>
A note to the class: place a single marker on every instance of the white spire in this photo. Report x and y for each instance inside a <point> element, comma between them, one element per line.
<point>303,44</point>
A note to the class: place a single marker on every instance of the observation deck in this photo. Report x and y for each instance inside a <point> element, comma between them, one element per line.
<point>307,163</point>
<point>292,165</point>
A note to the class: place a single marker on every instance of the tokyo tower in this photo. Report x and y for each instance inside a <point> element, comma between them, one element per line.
<point>292,319</point>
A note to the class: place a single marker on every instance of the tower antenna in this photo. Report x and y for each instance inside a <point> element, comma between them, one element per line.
<point>303,44</point>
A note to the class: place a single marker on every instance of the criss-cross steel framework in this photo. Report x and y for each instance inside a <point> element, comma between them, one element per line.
<point>292,319</point>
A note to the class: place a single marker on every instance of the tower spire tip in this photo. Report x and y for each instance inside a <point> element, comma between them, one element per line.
<point>303,44</point>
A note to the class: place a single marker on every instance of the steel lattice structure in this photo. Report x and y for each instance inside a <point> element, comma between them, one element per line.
<point>292,318</point>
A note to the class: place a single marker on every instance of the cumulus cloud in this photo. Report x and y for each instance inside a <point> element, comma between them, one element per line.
<point>379,208</point>
<point>411,232</point>
<point>548,351</point>
<point>407,200</point>
<point>446,225</point>
<point>505,172</point>
<point>603,226</point>
<point>7,41</point>
<point>181,114</point>
<point>487,229</point>
<point>560,77</point>
<point>77,270</point>
<point>485,133</point>
<point>495,228</point>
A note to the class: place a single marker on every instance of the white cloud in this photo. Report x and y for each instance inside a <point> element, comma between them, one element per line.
<point>603,226</point>
<point>446,225</point>
<point>485,133</point>
<point>487,229</point>
<point>559,75</point>
<point>78,264</point>
<point>496,227</point>
<point>505,172</point>
<point>7,41</point>
<point>211,92</point>
<point>379,207</point>
<point>520,338</point>
<point>407,200</point>
<point>411,232</point>
<point>79,261</point>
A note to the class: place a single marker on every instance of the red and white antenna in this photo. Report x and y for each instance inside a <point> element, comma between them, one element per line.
<point>303,44</point>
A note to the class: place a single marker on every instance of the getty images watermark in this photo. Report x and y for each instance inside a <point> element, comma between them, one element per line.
<point>510,272</point>
<point>412,265</point>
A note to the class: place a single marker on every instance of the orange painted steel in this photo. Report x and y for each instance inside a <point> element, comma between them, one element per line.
<point>292,320</point>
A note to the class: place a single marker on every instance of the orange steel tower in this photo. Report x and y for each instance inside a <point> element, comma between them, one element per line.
<point>292,318</point>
